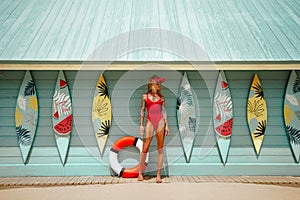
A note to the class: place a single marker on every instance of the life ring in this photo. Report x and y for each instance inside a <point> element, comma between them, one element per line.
<point>113,157</point>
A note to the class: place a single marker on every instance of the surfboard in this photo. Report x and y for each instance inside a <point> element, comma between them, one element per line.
<point>101,113</point>
<point>223,115</point>
<point>62,116</point>
<point>257,113</point>
<point>292,113</point>
<point>186,116</point>
<point>26,115</point>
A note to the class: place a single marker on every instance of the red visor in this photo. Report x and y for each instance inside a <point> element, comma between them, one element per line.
<point>157,79</point>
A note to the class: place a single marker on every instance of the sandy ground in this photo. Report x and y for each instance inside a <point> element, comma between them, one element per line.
<point>154,191</point>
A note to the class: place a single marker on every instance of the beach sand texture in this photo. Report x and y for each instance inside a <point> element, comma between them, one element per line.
<point>146,190</point>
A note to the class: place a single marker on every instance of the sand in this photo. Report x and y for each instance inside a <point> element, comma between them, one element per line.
<point>153,191</point>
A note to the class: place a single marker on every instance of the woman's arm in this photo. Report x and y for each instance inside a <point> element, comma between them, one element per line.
<point>142,114</point>
<point>164,113</point>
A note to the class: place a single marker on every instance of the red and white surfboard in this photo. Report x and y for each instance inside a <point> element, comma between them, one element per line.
<point>223,115</point>
<point>62,116</point>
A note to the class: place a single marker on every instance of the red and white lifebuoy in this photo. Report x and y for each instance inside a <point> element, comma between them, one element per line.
<point>113,157</point>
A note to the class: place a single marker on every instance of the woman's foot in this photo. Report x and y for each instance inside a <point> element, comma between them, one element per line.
<point>140,177</point>
<point>158,179</point>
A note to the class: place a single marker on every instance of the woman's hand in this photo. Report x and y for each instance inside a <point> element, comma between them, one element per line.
<point>167,131</point>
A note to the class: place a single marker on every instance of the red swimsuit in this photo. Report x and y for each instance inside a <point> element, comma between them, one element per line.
<point>154,111</point>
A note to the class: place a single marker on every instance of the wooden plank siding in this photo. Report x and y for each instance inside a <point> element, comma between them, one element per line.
<point>275,158</point>
<point>71,30</point>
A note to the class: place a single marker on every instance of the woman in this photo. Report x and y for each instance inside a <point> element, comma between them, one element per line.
<point>157,122</point>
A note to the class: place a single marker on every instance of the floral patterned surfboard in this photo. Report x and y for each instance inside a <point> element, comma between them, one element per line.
<point>26,115</point>
<point>257,113</point>
<point>101,113</point>
<point>62,116</point>
<point>223,115</point>
<point>186,116</point>
<point>292,113</point>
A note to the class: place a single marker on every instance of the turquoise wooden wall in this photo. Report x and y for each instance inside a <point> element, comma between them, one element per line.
<point>126,88</point>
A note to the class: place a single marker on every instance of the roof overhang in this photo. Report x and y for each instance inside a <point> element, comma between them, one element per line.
<point>149,65</point>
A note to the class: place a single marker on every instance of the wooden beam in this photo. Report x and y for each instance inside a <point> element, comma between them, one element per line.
<point>78,65</point>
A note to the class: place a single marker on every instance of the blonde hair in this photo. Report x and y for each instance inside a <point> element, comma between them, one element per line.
<point>149,90</point>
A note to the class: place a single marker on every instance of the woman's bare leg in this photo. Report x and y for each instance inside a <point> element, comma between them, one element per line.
<point>146,144</point>
<point>160,136</point>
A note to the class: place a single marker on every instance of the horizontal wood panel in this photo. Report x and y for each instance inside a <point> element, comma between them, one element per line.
<point>8,130</point>
<point>239,139</point>
<point>152,160</point>
<point>76,154</point>
<point>123,121</point>
<point>199,152</point>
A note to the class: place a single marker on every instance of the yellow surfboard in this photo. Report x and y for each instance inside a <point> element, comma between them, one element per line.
<point>101,113</point>
<point>257,113</point>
